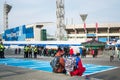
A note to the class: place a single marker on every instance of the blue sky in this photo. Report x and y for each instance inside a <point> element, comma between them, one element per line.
<point>32,11</point>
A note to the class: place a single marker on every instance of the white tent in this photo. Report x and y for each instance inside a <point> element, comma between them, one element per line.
<point>118,42</point>
<point>51,47</point>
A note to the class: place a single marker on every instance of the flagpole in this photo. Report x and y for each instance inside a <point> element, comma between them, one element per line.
<point>83,17</point>
<point>85,31</point>
<point>108,33</point>
<point>96,30</point>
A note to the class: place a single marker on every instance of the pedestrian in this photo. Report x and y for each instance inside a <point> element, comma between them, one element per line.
<point>81,52</point>
<point>84,52</point>
<point>35,51</point>
<point>71,52</point>
<point>40,51</point>
<point>112,54</point>
<point>66,51</point>
<point>119,54</point>
<point>30,51</point>
<point>2,48</point>
<point>19,50</point>
<point>92,52</point>
<point>61,67</point>
<point>79,69</point>
<point>70,62</point>
<point>15,50</point>
<point>26,51</point>
<point>95,53</point>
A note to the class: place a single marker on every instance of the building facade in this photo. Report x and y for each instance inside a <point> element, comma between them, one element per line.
<point>30,32</point>
<point>35,32</point>
<point>102,32</point>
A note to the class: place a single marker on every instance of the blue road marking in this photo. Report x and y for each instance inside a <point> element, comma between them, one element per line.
<point>45,65</point>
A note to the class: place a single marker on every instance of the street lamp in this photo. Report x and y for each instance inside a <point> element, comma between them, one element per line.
<point>108,32</point>
<point>75,31</point>
<point>7,9</point>
<point>83,17</point>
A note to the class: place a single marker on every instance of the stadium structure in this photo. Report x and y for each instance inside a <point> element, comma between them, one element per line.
<point>33,32</point>
<point>106,32</point>
<point>30,32</point>
<point>109,33</point>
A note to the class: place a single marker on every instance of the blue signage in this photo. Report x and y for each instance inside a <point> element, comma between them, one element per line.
<point>15,34</point>
<point>29,32</point>
<point>91,35</point>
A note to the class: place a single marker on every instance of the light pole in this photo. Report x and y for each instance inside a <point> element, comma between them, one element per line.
<point>83,17</point>
<point>119,32</point>
<point>7,9</point>
<point>96,30</point>
<point>108,30</point>
<point>75,32</point>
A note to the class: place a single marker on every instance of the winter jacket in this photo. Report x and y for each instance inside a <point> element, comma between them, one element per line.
<point>79,70</point>
<point>61,61</point>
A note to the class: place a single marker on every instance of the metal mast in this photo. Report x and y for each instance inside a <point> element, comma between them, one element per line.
<point>83,17</point>
<point>6,10</point>
<point>60,12</point>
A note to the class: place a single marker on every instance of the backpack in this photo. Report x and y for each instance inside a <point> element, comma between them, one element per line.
<point>70,64</point>
<point>55,63</point>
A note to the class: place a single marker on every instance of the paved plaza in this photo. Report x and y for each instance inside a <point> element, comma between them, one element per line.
<point>17,73</point>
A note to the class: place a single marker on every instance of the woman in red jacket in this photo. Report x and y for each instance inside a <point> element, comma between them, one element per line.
<point>80,69</point>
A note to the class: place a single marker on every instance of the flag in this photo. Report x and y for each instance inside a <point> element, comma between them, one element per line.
<point>8,8</point>
<point>85,27</point>
<point>96,27</point>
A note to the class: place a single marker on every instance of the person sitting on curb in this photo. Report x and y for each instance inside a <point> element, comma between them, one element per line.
<point>80,69</point>
<point>60,68</point>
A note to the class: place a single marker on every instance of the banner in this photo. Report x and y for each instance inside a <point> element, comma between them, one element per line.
<point>96,27</point>
<point>85,27</point>
<point>83,17</point>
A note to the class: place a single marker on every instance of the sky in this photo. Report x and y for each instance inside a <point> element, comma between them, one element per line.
<point>31,11</point>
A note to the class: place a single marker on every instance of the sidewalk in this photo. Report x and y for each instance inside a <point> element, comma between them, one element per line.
<point>15,73</point>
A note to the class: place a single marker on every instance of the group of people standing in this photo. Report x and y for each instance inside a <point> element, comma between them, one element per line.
<point>88,51</point>
<point>113,53</point>
<point>71,65</point>
<point>17,50</point>
<point>29,51</point>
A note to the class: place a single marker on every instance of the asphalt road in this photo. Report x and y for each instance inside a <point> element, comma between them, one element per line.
<point>15,73</point>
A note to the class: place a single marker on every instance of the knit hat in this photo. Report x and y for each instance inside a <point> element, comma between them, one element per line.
<point>71,51</point>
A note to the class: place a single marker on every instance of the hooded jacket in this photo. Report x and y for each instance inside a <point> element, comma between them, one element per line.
<point>80,68</point>
<point>61,61</point>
